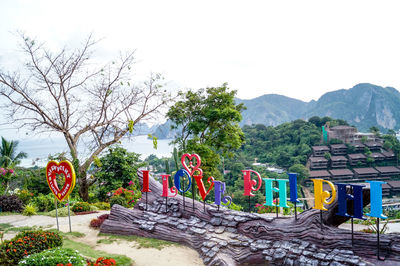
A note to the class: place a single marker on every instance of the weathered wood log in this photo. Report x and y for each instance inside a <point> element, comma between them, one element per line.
<point>227,237</point>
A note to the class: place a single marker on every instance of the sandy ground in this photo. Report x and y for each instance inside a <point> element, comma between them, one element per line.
<point>174,255</point>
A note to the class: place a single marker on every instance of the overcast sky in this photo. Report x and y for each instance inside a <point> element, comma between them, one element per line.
<point>300,49</point>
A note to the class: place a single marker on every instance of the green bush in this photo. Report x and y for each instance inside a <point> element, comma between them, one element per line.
<point>25,196</point>
<point>26,243</point>
<point>118,200</point>
<point>10,203</point>
<point>62,212</point>
<point>93,208</point>
<point>29,210</point>
<point>81,207</point>
<point>102,205</point>
<point>54,257</point>
<point>45,203</point>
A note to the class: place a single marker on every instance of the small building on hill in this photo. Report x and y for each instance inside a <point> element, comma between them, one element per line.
<point>320,150</point>
<point>365,173</point>
<point>318,163</point>
<point>320,174</point>
<point>341,174</point>
<point>338,149</point>
<point>356,158</point>
<point>377,156</point>
<point>388,171</point>
<point>338,162</point>
<point>374,145</point>
<point>343,133</point>
<point>389,155</point>
<point>358,147</point>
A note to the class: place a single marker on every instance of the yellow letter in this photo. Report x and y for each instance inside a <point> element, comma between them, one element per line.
<point>321,196</point>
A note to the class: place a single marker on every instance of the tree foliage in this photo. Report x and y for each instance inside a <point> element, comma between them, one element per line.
<point>118,168</point>
<point>69,93</point>
<point>8,154</point>
<point>209,121</point>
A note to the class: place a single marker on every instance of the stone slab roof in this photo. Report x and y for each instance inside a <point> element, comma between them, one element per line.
<point>387,169</point>
<point>320,148</point>
<point>338,158</point>
<point>356,156</point>
<point>365,170</point>
<point>320,173</point>
<point>339,172</point>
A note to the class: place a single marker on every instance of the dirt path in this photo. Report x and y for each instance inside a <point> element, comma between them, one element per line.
<point>174,255</point>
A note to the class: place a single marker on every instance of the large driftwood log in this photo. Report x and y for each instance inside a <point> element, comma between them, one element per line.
<point>226,237</point>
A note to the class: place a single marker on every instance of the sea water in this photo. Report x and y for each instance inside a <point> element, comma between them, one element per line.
<point>38,149</point>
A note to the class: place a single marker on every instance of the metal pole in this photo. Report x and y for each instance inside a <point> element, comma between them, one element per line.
<point>249,204</point>
<point>55,201</point>
<point>320,216</point>
<point>166,204</point>
<point>295,210</point>
<point>193,193</point>
<point>276,210</point>
<point>352,231</point>
<point>204,204</point>
<point>183,189</point>
<point>377,231</point>
<point>69,217</point>
<point>146,200</point>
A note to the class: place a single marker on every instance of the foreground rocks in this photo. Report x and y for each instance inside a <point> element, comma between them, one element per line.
<point>226,237</point>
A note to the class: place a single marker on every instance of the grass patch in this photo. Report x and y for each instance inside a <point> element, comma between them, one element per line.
<point>105,241</point>
<point>143,242</point>
<point>88,251</point>
<point>66,234</point>
<point>5,227</point>
<point>9,213</point>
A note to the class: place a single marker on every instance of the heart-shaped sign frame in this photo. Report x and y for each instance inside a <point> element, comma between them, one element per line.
<point>192,168</point>
<point>65,168</point>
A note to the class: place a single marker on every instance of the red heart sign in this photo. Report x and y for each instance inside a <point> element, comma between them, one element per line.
<point>63,168</point>
<point>194,168</point>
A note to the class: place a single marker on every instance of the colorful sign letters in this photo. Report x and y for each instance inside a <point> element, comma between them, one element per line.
<point>65,168</point>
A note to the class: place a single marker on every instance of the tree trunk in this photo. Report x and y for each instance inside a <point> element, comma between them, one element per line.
<point>227,237</point>
<point>83,185</point>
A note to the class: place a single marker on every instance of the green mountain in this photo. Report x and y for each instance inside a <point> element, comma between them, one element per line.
<point>365,105</point>
<point>272,110</point>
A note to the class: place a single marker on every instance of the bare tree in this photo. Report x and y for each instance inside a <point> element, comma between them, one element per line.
<point>66,92</point>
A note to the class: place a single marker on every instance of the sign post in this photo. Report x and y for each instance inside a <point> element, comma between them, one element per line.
<point>66,169</point>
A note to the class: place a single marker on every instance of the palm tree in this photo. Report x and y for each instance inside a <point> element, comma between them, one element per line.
<point>8,157</point>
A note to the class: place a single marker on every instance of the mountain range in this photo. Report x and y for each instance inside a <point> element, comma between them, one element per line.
<point>365,105</point>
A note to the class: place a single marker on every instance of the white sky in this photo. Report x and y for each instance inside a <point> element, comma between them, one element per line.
<point>300,49</point>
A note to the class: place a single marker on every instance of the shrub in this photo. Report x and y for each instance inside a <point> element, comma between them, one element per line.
<point>62,212</point>
<point>103,262</point>
<point>102,205</point>
<point>29,210</point>
<point>55,257</point>
<point>10,203</point>
<point>97,222</point>
<point>45,203</point>
<point>93,208</point>
<point>118,200</point>
<point>26,243</point>
<point>131,196</point>
<point>81,207</point>
<point>25,196</point>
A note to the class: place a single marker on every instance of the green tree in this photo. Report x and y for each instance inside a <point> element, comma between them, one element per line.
<point>8,154</point>
<point>374,130</point>
<point>66,92</point>
<point>8,160</point>
<point>209,121</point>
<point>117,168</point>
<point>301,170</point>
